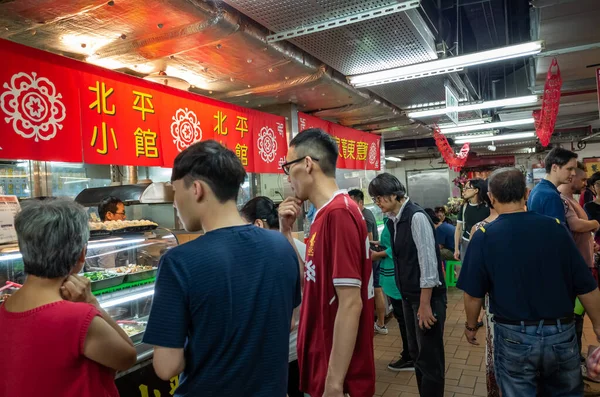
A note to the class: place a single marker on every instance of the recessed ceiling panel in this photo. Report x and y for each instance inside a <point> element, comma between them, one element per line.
<point>377,44</point>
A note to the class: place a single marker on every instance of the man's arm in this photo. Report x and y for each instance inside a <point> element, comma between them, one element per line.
<point>472,309</point>
<point>345,331</point>
<point>288,211</point>
<point>424,239</point>
<point>168,362</point>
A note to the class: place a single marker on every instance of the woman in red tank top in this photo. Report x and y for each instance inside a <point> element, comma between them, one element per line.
<point>55,339</point>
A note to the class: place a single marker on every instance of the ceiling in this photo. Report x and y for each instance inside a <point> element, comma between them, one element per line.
<point>221,50</point>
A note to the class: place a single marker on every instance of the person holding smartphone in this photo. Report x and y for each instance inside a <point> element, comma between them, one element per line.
<point>419,276</point>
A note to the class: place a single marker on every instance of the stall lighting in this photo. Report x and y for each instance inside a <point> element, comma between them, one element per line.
<point>85,44</point>
<point>394,159</point>
<point>103,244</point>
<point>125,299</point>
<point>447,65</point>
<point>496,138</point>
<point>487,126</point>
<point>522,100</point>
<point>187,75</point>
<point>105,63</point>
<point>463,123</point>
<point>10,257</point>
<point>486,135</point>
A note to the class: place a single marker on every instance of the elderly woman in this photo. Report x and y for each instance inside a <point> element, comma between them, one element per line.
<point>56,339</point>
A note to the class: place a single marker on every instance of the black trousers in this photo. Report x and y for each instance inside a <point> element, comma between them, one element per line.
<point>294,380</point>
<point>427,346</point>
<point>399,314</point>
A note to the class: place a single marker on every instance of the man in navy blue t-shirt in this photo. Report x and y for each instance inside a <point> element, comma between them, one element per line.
<point>223,303</point>
<point>545,198</point>
<point>530,267</point>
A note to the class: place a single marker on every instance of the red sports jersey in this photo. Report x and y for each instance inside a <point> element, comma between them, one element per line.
<point>337,254</point>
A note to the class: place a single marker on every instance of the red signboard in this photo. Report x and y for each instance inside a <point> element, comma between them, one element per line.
<point>358,150</point>
<point>56,108</point>
<point>598,85</point>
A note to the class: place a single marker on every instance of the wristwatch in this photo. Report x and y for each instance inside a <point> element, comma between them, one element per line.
<point>471,329</point>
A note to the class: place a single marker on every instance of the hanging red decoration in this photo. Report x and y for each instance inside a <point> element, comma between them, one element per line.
<point>455,161</point>
<point>545,119</point>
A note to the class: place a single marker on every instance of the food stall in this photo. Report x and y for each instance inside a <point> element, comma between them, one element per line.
<point>73,129</point>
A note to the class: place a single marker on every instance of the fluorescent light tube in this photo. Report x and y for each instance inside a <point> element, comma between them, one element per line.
<point>125,299</point>
<point>487,126</point>
<point>391,158</point>
<point>486,135</point>
<point>447,65</point>
<point>522,100</point>
<point>496,138</point>
<point>463,123</point>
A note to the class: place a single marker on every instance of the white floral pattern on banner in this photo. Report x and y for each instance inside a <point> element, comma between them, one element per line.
<point>373,153</point>
<point>33,106</point>
<point>267,144</point>
<point>185,129</point>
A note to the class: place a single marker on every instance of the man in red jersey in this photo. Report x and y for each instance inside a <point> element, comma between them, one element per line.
<point>335,336</point>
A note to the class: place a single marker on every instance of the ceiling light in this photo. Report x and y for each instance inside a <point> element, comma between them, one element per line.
<point>392,158</point>
<point>486,135</point>
<point>463,123</point>
<point>522,100</point>
<point>84,44</point>
<point>187,75</point>
<point>496,138</point>
<point>443,66</point>
<point>105,62</point>
<point>487,126</point>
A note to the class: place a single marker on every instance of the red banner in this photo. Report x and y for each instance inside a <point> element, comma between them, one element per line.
<point>358,150</point>
<point>57,108</point>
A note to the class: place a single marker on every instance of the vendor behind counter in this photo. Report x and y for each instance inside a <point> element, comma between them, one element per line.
<point>110,209</point>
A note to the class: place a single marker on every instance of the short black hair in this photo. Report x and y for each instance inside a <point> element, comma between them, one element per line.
<point>581,166</point>
<point>387,184</point>
<point>261,208</point>
<point>432,215</point>
<point>441,209</point>
<point>594,178</point>
<point>213,164</point>
<point>315,142</point>
<point>558,156</point>
<point>357,194</point>
<point>108,204</point>
<point>507,185</point>
<point>484,197</point>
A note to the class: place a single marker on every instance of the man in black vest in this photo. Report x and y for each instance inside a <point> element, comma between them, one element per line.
<point>420,280</point>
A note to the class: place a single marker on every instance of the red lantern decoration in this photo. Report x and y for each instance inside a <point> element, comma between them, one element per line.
<point>545,119</point>
<point>455,161</point>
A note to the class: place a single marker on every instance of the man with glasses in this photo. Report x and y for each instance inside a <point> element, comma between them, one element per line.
<point>335,336</point>
<point>112,209</point>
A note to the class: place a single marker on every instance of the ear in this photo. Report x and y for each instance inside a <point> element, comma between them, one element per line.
<point>80,262</point>
<point>259,223</point>
<point>309,164</point>
<point>199,190</point>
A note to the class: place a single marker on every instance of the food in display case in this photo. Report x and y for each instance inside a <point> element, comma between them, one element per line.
<point>115,227</point>
<point>134,329</point>
<point>135,272</point>
<point>101,280</point>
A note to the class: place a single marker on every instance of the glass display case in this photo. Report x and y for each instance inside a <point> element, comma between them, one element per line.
<point>123,270</point>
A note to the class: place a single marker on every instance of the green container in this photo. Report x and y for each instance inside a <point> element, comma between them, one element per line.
<point>579,310</point>
<point>450,278</point>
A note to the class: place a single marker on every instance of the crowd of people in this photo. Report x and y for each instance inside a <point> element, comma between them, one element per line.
<point>249,310</point>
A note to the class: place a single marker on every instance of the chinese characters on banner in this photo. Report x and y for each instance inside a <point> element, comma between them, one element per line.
<point>57,109</point>
<point>358,150</point>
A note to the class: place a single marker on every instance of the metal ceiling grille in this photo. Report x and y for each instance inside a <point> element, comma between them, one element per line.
<point>383,43</point>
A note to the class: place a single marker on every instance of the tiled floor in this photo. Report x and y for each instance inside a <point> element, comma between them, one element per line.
<point>465,364</point>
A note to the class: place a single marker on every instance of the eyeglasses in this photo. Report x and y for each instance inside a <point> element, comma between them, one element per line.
<point>286,166</point>
<point>469,188</point>
<point>376,199</point>
<point>120,213</point>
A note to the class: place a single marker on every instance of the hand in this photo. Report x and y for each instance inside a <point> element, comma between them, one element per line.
<point>597,332</point>
<point>289,210</point>
<point>471,336</point>
<point>457,254</point>
<point>375,256</point>
<point>425,316</point>
<point>77,289</point>
<point>596,225</point>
